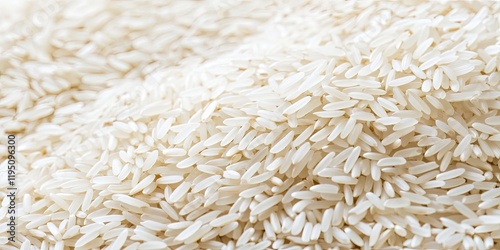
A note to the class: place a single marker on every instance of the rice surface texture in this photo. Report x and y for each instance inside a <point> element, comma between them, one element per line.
<point>251,125</point>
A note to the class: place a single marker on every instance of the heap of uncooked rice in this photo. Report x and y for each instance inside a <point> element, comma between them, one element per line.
<point>251,124</point>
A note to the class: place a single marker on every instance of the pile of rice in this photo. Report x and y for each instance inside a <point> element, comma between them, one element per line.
<point>252,124</point>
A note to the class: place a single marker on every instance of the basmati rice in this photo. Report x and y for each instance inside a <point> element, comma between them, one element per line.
<point>240,125</point>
